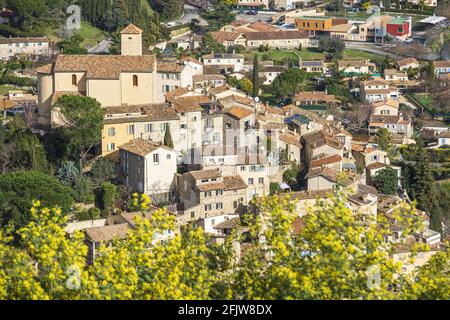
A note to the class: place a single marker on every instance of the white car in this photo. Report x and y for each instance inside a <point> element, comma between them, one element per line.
<point>409,40</point>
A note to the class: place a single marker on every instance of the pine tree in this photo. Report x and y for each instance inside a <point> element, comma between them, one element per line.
<point>168,138</point>
<point>255,76</point>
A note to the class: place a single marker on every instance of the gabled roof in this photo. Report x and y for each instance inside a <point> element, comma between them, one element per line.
<point>160,112</point>
<point>171,95</point>
<point>205,174</point>
<point>331,175</point>
<point>170,67</point>
<point>107,233</point>
<point>326,160</point>
<point>406,61</point>
<point>189,104</point>
<point>228,224</point>
<point>191,59</point>
<point>47,69</point>
<point>221,36</point>
<point>321,138</point>
<point>314,96</point>
<point>234,183</point>
<point>276,35</point>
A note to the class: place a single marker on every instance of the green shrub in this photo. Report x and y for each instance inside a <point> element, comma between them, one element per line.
<point>108,194</point>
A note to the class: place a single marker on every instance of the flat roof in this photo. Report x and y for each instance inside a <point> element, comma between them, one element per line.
<point>433,19</point>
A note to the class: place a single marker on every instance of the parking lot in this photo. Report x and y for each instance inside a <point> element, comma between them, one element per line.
<point>261,16</point>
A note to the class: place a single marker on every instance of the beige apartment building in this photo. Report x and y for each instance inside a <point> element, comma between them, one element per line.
<point>207,192</point>
<point>32,47</point>
<point>387,107</point>
<point>171,76</point>
<point>149,122</point>
<point>112,80</point>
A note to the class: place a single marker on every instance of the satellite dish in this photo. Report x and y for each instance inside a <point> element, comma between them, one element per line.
<point>256,99</point>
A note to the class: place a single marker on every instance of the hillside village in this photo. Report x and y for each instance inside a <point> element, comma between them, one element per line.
<point>208,124</point>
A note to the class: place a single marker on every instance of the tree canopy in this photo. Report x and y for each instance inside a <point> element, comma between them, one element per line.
<point>386,181</point>
<point>19,189</point>
<point>332,256</point>
<point>83,122</point>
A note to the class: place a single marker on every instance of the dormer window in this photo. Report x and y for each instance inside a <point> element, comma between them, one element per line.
<point>135,81</point>
<point>74,79</point>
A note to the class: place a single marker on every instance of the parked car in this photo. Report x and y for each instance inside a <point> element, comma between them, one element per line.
<point>252,12</point>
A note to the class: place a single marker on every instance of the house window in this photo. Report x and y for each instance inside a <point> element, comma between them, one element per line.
<point>219,205</point>
<point>242,168</point>
<point>250,181</point>
<point>156,158</point>
<point>235,204</point>
<point>74,79</point>
<point>148,127</point>
<point>207,194</point>
<point>130,129</point>
<point>111,132</point>
<point>168,157</point>
<point>135,81</point>
<point>111,146</point>
<point>192,214</point>
<point>207,207</point>
<point>219,192</point>
<point>261,180</point>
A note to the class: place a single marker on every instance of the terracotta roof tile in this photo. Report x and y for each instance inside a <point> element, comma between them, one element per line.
<point>314,96</point>
<point>276,35</point>
<point>23,40</point>
<point>222,36</point>
<point>160,112</point>
<point>47,69</point>
<point>131,29</point>
<point>207,77</point>
<point>406,61</point>
<point>104,66</point>
<point>170,67</point>
<point>332,175</point>
<point>321,138</point>
<point>290,138</point>
<point>190,104</point>
<point>142,147</point>
<point>234,183</point>
<point>107,233</point>
<point>172,95</point>
<point>206,174</point>
<point>326,160</point>
<point>239,112</point>
<point>58,94</point>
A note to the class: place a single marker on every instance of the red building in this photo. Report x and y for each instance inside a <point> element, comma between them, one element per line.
<point>399,27</point>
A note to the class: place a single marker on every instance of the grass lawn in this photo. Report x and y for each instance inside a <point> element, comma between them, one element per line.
<point>308,54</point>
<point>425,99</point>
<point>351,54</point>
<point>4,89</point>
<point>91,34</point>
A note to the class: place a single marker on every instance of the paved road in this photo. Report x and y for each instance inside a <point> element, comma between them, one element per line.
<point>261,16</point>
<point>101,47</point>
<point>372,48</point>
<point>190,12</point>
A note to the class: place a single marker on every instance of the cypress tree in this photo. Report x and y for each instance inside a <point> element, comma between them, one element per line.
<point>423,182</point>
<point>168,142</point>
<point>255,76</point>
